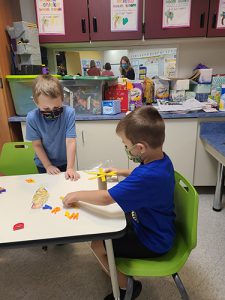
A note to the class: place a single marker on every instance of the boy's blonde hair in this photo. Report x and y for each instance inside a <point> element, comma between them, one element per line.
<point>47,85</point>
<point>144,124</point>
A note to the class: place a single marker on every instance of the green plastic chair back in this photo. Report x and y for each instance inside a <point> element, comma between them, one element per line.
<point>17,158</point>
<point>186,207</point>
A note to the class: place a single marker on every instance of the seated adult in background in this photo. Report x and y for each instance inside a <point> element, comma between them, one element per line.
<point>107,71</point>
<point>93,71</point>
<point>126,69</point>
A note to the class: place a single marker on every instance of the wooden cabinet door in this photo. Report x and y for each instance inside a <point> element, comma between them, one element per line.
<point>153,20</point>
<point>213,19</point>
<point>97,142</point>
<point>100,22</point>
<point>76,24</point>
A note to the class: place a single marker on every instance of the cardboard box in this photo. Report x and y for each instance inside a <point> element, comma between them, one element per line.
<point>115,92</point>
<point>205,76</point>
<point>200,88</point>
<point>177,96</point>
<point>161,89</point>
<point>179,84</point>
<point>111,107</point>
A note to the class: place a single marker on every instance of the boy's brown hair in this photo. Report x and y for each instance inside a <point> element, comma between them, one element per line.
<point>47,85</point>
<point>144,124</point>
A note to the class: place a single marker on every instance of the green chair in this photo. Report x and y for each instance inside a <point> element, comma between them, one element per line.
<point>17,158</point>
<point>186,207</point>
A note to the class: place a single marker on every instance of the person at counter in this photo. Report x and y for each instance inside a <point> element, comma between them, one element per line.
<point>126,69</point>
<point>107,71</point>
<point>93,71</point>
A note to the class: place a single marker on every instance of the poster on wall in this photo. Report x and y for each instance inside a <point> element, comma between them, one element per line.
<point>156,62</point>
<point>124,15</point>
<point>221,15</point>
<point>50,17</point>
<point>176,13</point>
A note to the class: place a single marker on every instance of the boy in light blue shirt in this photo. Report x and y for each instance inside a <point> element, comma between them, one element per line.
<point>51,128</point>
<point>145,195</point>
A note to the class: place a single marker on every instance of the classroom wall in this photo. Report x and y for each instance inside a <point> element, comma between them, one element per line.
<point>190,53</point>
<point>96,55</point>
<point>27,8</point>
<point>206,52</point>
<point>73,64</point>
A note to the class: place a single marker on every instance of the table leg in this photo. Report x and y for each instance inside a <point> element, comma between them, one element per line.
<point>219,188</point>
<point>112,269</point>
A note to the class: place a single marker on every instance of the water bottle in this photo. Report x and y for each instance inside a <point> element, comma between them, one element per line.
<point>45,70</point>
<point>222,101</point>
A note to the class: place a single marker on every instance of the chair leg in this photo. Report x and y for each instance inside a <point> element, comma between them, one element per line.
<point>180,286</point>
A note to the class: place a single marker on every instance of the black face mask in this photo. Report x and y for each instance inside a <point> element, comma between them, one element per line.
<point>53,114</point>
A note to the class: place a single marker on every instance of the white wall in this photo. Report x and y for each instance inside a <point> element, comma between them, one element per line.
<point>28,11</point>
<point>191,52</point>
<point>210,53</point>
<point>114,56</point>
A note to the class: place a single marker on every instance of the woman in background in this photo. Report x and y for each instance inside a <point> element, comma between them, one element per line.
<point>107,71</point>
<point>126,69</point>
<point>93,71</point>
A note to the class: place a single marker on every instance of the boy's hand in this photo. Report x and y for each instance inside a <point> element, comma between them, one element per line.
<point>70,199</point>
<point>72,175</point>
<point>108,170</point>
<point>52,170</point>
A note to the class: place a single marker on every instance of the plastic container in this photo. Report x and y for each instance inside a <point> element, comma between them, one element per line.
<point>222,99</point>
<point>21,90</point>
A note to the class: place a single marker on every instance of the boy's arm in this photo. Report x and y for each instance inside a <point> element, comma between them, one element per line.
<point>101,197</point>
<point>39,150</point>
<point>123,172</point>
<point>70,152</point>
<point>119,172</point>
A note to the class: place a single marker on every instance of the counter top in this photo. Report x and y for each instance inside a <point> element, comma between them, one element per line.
<point>199,114</point>
<point>213,135</point>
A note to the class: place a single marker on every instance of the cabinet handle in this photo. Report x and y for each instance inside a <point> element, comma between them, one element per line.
<point>82,137</point>
<point>202,20</point>
<point>95,26</point>
<point>83,25</point>
<point>214,21</point>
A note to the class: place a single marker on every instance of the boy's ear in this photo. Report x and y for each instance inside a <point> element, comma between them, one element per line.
<point>142,147</point>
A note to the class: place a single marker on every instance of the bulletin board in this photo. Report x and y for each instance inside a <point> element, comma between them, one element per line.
<point>158,61</point>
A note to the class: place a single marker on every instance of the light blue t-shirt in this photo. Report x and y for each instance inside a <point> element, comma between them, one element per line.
<point>52,133</point>
<point>147,193</point>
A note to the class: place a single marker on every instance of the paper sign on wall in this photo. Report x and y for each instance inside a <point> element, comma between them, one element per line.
<point>176,13</point>
<point>124,15</point>
<point>221,15</point>
<point>50,16</point>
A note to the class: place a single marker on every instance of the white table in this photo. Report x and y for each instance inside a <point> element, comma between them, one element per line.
<point>41,227</point>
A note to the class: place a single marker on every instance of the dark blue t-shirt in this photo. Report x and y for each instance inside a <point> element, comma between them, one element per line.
<point>52,133</point>
<point>148,193</point>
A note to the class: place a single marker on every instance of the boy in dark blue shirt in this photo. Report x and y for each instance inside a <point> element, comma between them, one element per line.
<point>146,195</point>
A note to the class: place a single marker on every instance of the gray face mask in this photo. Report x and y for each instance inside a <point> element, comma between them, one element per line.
<point>134,158</point>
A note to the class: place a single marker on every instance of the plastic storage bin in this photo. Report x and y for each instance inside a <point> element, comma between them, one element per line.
<point>85,93</point>
<point>21,90</point>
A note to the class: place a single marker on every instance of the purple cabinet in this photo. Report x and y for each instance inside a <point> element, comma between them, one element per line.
<point>153,20</point>
<point>214,17</point>
<point>96,16</point>
<point>100,22</point>
<point>76,24</point>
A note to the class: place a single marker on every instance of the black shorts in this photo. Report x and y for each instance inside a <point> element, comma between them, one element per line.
<point>43,170</point>
<point>129,245</point>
